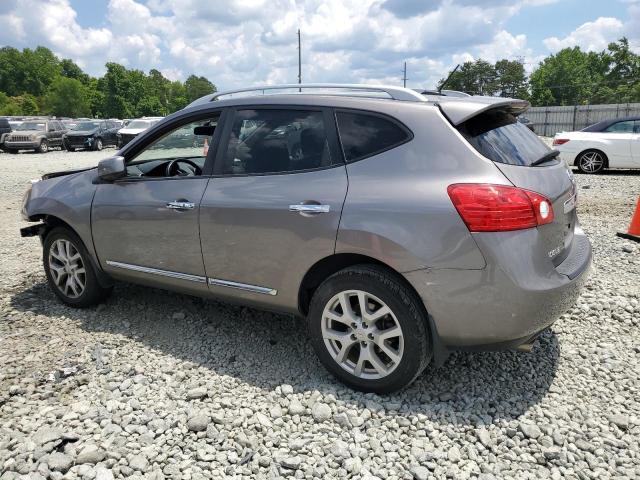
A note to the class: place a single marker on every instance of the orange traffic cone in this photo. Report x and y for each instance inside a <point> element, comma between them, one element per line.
<point>634,228</point>
<point>205,150</point>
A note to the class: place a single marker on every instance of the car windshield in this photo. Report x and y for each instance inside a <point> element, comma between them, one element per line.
<point>86,126</point>
<point>139,124</point>
<point>30,126</point>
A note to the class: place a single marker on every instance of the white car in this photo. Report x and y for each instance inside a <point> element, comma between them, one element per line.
<point>134,128</point>
<point>606,144</point>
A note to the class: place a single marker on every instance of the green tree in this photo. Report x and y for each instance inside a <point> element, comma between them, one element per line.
<point>67,97</point>
<point>197,87</point>
<point>476,78</point>
<point>69,69</point>
<point>511,79</point>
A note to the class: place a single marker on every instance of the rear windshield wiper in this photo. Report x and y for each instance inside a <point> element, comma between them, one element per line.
<point>550,155</point>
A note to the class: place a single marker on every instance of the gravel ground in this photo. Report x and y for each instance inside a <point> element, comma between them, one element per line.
<point>158,385</point>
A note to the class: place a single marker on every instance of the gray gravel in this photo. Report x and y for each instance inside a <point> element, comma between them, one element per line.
<point>158,385</point>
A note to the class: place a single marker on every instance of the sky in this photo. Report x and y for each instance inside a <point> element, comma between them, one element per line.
<point>239,43</point>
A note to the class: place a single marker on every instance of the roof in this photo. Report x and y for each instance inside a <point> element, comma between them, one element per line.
<point>457,109</point>
<point>600,126</point>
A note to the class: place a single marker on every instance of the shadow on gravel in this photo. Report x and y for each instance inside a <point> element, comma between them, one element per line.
<point>266,350</point>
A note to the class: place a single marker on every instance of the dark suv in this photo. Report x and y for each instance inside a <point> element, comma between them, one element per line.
<point>91,135</point>
<point>5,128</point>
<point>37,135</point>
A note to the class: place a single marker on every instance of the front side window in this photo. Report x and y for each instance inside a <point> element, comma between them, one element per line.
<point>178,153</point>
<point>274,141</point>
<point>363,135</point>
<point>622,127</point>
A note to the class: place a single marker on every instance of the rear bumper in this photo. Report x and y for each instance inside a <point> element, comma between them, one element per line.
<point>507,303</point>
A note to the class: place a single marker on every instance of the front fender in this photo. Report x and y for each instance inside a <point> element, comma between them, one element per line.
<point>67,198</point>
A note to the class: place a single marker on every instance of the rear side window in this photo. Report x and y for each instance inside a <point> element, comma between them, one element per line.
<point>628,126</point>
<point>276,141</point>
<point>498,135</point>
<point>363,135</point>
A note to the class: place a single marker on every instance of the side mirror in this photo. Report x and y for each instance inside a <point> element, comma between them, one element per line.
<point>111,168</point>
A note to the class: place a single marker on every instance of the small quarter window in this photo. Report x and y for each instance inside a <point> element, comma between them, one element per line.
<point>363,135</point>
<point>275,141</point>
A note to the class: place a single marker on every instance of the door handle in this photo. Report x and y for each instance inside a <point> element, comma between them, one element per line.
<point>180,205</point>
<point>309,208</point>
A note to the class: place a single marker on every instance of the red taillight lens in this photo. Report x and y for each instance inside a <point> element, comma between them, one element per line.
<point>499,208</point>
<point>560,141</point>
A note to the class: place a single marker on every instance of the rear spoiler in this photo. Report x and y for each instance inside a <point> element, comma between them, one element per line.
<point>459,110</point>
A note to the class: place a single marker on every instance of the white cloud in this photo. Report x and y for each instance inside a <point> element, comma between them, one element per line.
<point>590,36</point>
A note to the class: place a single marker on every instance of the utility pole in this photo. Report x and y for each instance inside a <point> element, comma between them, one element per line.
<point>404,75</point>
<point>299,61</point>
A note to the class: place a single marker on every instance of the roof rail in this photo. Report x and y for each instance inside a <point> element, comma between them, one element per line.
<point>394,93</point>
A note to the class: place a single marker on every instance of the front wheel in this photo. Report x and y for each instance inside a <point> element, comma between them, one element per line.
<point>97,144</point>
<point>43,147</point>
<point>69,270</point>
<point>591,161</point>
<point>369,329</point>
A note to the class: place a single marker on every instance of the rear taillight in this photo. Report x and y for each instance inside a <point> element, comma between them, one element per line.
<point>560,141</point>
<point>498,208</point>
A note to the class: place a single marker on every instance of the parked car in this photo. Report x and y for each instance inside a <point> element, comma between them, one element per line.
<point>134,128</point>
<point>526,122</point>
<point>93,134</point>
<point>611,143</point>
<point>37,135</point>
<point>5,129</point>
<point>403,229</point>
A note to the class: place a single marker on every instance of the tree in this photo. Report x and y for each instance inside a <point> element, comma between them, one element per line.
<point>69,69</point>
<point>476,78</point>
<point>67,97</point>
<point>511,79</point>
<point>197,87</point>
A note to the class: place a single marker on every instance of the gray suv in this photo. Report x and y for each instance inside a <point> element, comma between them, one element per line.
<point>400,226</point>
<point>36,135</point>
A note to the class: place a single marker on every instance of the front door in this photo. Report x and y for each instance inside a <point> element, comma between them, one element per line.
<point>145,226</point>
<point>273,207</point>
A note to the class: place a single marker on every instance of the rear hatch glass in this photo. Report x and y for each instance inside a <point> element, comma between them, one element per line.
<point>498,135</point>
<point>528,163</point>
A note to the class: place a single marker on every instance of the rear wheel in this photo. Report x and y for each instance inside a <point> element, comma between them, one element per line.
<point>369,329</point>
<point>591,161</point>
<point>69,270</point>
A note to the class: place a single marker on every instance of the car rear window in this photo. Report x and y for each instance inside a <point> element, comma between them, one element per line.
<point>363,134</point>
<point>498,135</point>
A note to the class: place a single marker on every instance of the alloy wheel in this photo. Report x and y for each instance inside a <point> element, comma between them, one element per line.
<point>362,334</point>
<point>591,162</point>
<point>67,268</point>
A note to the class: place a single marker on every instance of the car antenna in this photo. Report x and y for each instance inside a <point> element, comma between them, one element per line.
<point>447,79</point>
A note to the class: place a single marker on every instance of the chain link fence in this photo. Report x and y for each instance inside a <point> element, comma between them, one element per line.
<point>547,121</point>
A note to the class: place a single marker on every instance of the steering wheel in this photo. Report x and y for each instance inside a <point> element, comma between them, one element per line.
<point>173,168</point>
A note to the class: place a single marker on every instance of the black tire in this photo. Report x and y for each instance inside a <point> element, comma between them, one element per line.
<point>43,147</point>
<point>585,162</point>
<point>12,151</point>
<point>408,309</point>
<point>69,149</point>
<point>93,292</point>
<point>97,144</point>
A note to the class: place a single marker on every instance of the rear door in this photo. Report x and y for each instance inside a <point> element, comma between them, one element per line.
<point>514,149</point>
<point>273,206</point>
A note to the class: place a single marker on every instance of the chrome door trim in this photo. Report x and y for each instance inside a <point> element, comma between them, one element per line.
<point>311,208</point>
<point>242,286</point>
<point>155,271</point>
